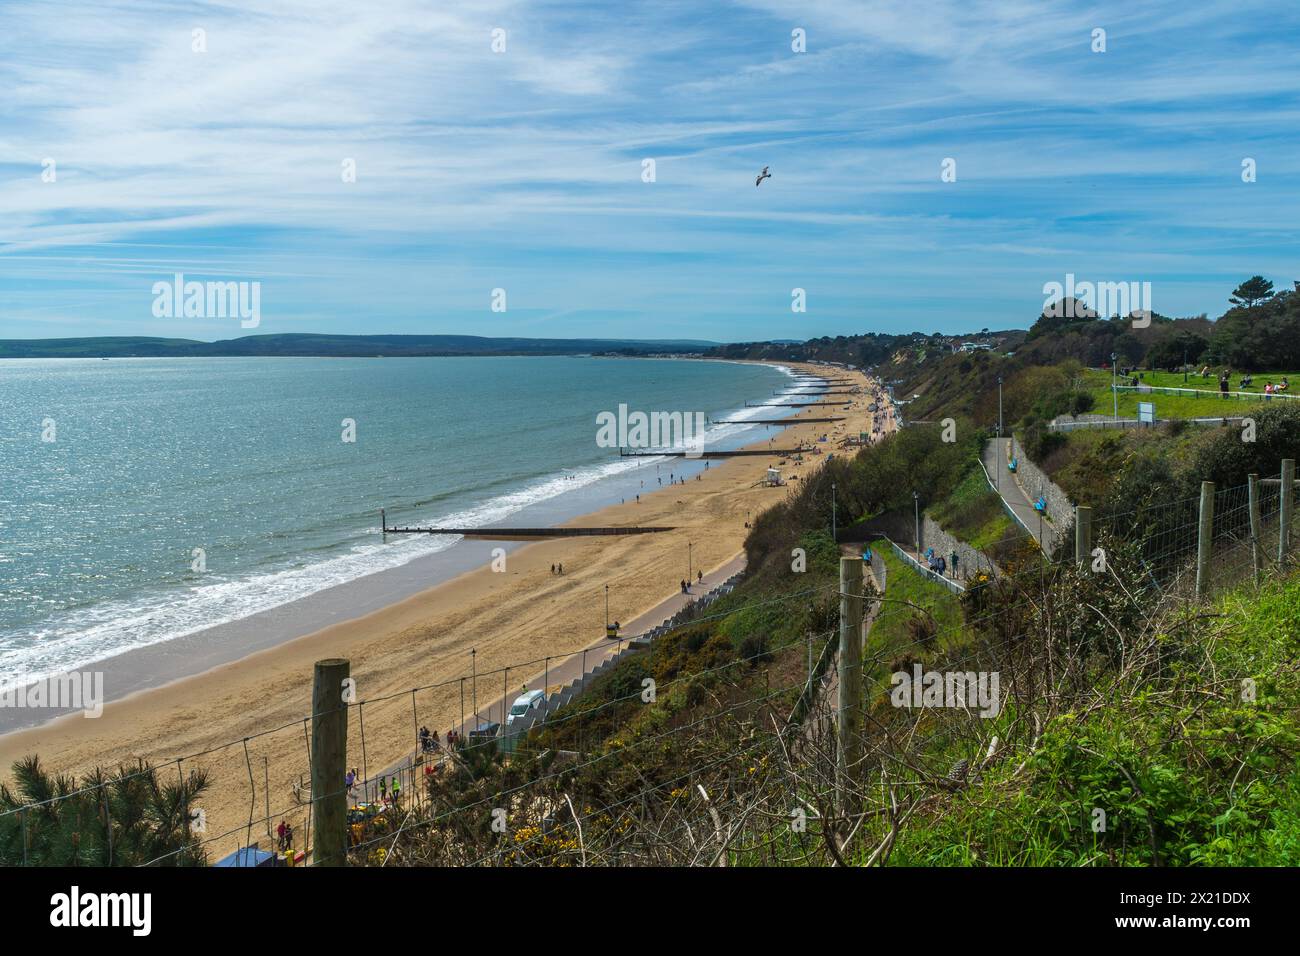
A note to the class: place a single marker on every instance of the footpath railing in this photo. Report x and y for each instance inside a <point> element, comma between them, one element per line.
<point>1104,423</point>
<point>1212,392</point>
<point>933,576</point>
<point>1005,505</point>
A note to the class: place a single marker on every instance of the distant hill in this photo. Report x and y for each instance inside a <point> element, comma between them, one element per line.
<point>307,344</point>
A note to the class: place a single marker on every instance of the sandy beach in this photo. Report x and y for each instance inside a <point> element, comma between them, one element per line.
<point>510,619</point>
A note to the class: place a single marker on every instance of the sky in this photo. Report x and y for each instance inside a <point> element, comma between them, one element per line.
<point>503,145</point>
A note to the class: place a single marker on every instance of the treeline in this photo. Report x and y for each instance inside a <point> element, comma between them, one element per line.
<point>864,351</point>
<point>1260,331</point>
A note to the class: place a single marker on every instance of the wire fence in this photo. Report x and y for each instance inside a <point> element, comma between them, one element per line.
<point>755,777</point>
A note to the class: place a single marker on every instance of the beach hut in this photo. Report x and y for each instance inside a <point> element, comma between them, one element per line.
<point>773,477</point>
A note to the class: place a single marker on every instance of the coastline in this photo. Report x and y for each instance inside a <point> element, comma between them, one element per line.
<point>514,619</point>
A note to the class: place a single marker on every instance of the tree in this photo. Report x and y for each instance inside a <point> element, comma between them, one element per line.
<point>127,818</point>
<point>1253,290</point>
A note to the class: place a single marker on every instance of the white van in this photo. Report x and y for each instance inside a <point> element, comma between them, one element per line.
<point>525,702</point>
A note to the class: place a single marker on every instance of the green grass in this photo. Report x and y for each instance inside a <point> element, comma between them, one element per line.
<point>973,512</point>
<point>1175,405</point>
<point>903,630</point>
<point>1188,770</point>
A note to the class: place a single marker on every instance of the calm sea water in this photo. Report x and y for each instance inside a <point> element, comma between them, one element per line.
<point>245,459</point>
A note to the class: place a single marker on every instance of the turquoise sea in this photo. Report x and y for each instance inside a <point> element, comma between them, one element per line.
<point>179,494</point>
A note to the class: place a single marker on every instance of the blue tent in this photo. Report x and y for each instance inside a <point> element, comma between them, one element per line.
<point>248,856</point>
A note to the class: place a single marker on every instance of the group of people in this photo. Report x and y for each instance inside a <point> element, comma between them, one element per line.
<point>352,778</point>
<point>939,565</point>
<point>284,836</point>
<point>557,568</point>
<point>699,577</point>
<point>1270,389</point>
<point>429,741</point>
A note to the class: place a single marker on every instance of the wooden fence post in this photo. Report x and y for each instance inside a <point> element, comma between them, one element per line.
<point>1286,508</point>
<point>1252,500</point>
<point>329,747</point>
<point>850,680</point>
<point>1204,538</point>
<point>1082,533</point>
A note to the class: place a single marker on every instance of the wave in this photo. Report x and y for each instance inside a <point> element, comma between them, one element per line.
<point>79,638</point>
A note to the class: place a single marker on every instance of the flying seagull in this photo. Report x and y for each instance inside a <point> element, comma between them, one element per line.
<point>762,176</point>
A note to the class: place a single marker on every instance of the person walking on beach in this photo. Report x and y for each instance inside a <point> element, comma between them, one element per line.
<point>552,568</point>
<point>561,568</point>
<point>954,565</point>
<point>700,576</point>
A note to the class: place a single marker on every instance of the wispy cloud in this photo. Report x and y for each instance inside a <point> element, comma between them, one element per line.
<point>522,169</point>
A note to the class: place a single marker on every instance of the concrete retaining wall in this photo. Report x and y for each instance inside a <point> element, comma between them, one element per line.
<point>970,560</point>
<point>1060,509</point>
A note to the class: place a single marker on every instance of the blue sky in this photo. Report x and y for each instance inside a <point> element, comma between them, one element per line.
<point>522,170</point>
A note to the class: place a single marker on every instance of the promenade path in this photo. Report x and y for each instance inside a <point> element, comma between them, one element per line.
<point>554,674</point>
<point>994,457</point>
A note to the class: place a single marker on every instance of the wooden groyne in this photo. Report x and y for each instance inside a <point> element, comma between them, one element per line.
<point>776,421</point>
<point>772,452</point>
<point>527,533</point>
<point>797,404</point>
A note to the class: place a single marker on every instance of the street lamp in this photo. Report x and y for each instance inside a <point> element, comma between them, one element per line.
<point>607,607</point>
<point>916,504</point>
<point>833,529</point>
<point>688,563</point>
<point>997,450</point>
<point>999,406</point>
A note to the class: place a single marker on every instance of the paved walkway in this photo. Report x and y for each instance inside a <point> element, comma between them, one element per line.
<point>1004,482</point>
<point>561,671</point>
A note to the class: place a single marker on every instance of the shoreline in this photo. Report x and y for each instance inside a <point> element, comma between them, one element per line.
<point>189,653</point>
<point>156,634</point>
<point>477,623</point>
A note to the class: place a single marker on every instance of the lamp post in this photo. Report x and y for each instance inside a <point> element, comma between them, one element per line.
<point>997,455</point>
<point>999,406</point>
<point>1114,383</point>
<point>916,505</point>
<point>833,527</point>
<point>607,608</point>
<point>689,567</point>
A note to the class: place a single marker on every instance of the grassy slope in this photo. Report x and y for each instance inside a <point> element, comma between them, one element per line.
<point>898,627</point>
<point>973,513</point>
<point>1186,770</point>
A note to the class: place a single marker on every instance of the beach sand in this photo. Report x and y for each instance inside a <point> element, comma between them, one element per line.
<point>508,619</point>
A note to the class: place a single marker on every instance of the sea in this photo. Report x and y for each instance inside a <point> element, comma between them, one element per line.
<point>144,500</point>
